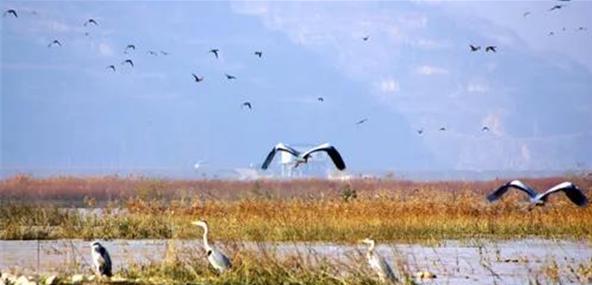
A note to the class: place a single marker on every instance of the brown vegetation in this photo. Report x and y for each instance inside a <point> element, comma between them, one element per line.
<point>281,210</point>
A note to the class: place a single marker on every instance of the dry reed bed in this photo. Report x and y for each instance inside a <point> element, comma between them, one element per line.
<point>109,188</point>
<point>302,210</point>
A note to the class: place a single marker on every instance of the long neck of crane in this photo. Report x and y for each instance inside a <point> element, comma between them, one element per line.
<point>205,238</point>
<point>371,248</point>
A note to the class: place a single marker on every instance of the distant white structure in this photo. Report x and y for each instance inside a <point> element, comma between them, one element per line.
<point>198,164</point>
<point>338,175</point>
<point>250,174</point>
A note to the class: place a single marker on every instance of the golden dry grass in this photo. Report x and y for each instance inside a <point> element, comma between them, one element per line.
<point>303,210</point>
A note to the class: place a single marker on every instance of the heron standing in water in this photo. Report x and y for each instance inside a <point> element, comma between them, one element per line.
<point>101,259</point>
<point>216,258</point>
<point>378,264</point>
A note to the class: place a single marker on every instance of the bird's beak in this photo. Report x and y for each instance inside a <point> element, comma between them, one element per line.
<point>196,223</point>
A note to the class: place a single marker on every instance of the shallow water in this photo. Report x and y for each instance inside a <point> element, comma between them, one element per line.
<point>454,262</point>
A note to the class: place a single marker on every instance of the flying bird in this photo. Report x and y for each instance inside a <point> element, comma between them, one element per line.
<point>259,53</point>
<point>556,7</point>
<point>164,52</point>
<point>151,52</point>
<point>378,264</point>
<point>101,259</point>
<point>581,28</point>
<point>229,77</point>
<point>11,12</point>
<point>551,33</point>
<point>111,66</point>
<point>474,48</point>
<point>442,129</point>
<point>216,257</point>
<point>490,48</point>
<point>128,47</point>
<point>197,78</point>
<point>302,157</point>
<point>215,52</point>
<point>366,38</point>
<point>361,121</point>
<point>420,132</point>
<point>525,13</point>
<point>247,104</point>
<point>485,129</point>
<point>539,199</point>
<point>54,42</point>
<point>131,63</point>
<point>91,21</point>
<point>321,99</point>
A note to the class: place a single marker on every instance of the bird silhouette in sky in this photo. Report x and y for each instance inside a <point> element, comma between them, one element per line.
<point>197,78</point>
<point>54,42</point>
<point>128,61</point>
<point>11,12</point>
<point>215,52</point>
<point>91,21</point>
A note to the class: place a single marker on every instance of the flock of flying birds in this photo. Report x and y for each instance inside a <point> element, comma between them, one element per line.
<point>554,8</point>
<point>219,261</point>
<point>258,53</point>
<point>129,62</point>
<point>216,53</point>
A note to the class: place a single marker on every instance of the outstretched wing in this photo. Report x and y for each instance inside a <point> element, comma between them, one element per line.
<point>11,11</point>
<point>499,192</point>
<point>131,63</point>
<point>571,191</point>
<point>331,151</point>
<point>278,147</point>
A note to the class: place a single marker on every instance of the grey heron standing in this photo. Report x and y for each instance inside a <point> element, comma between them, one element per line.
<point>101,259</point>
<point>216,258</point>
<point>539,199</point>
<point>303,157</point>
<point>378,264</point>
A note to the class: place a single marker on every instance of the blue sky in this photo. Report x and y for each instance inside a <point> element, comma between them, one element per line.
<point>62,109</point>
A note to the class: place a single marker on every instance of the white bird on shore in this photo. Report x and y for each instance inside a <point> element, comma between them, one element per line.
<point>216,258</point>
<point>303,157</point>
<point>378,264</point>
<point>539,199</point>
<point>101,259</point>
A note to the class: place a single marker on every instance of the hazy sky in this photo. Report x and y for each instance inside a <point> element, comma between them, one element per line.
<point>62,108</point>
